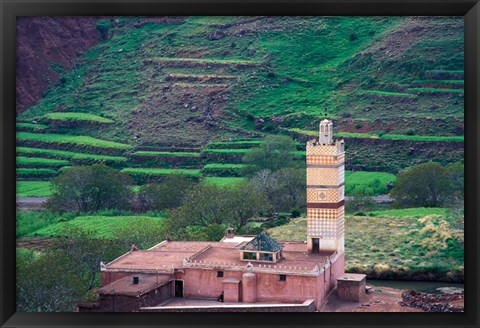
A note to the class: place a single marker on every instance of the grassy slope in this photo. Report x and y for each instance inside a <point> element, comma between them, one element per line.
<point>164,84</point>
<point>403,243</point>
<point>306,65</point>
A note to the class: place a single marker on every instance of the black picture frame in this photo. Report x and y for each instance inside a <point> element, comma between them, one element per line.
<point>9,9</point>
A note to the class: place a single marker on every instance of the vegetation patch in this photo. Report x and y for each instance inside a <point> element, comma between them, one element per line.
<point>36,173</point>
<point>142,175</point>
<point>223,181</point>
<point>223,170</point>
<point>30,126</point>
<point>40,162</point>
<point>76,158</point>
<point>226,151</point>
<point>34,188</point>
<point>73,116</point>
<point>234,144</point>
<point>413,212</point>
<point>407,247</point>
<point>367,183</point>
<point>69,139</point>
<point>386,93</point>
<point>104,226</point>
<point>165,153</point>
<point>436,90</point>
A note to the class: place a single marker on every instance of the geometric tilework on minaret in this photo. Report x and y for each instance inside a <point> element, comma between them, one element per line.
<point>325,192</point>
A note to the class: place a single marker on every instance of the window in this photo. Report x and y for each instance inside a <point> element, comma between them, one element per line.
<point>266,257</point>
<point>219,274</point>
<point>282,277</point>
<point>249,256</point>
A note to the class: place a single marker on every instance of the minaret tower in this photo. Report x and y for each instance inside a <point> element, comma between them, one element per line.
<point>325,192</point>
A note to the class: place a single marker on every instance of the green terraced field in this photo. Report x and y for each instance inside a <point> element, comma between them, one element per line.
<point>65,116</point>
<point>35,171</point>
<point>383,136</point>
<point>104,226</point>
<point>430,90</point>
<point>69,139</point>
<point>31,125</point>
<point>209,60</point>
<point>226,151</point>
<point>41,161</point>
<point>165,153</point>
<point>223,166</point>
<point>67,154</point>
<point>234,144</point>
<point>223,181</point>
<point>387,93</point>
<point>161,171</point>
<point>34,188</point>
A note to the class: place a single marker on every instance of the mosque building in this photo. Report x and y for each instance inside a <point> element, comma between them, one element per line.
<point>257,272</point>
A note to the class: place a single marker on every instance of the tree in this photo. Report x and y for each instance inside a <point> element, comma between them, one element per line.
<point>456,178</point>
<point>85,252</point>
<point>208,205</point>
<point>284,189</point>
<point>46,282</point>
<point>143,232</point>
<point>423,185</point>
<point>274,153</point>
<point>246,201</point>
<point>168,194</point>
<point>90,188</point>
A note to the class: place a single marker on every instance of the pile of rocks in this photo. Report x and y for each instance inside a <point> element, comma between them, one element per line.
<point>431,302</point>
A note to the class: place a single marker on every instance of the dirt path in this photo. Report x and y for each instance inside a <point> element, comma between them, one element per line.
<point>382,299</point>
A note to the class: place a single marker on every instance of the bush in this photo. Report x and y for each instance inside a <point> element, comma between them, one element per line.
<point>103,26</point>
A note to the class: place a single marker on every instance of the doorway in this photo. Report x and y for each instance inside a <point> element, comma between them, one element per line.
<point>316,245</point>
<point>178,288</point>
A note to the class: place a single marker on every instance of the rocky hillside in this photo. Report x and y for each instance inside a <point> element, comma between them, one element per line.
<point>46,48</point>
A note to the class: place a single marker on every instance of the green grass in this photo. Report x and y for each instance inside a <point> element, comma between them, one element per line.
<point>67,154</point>
<point>31,125</point>
<point>34,188</point>
<point>382,136</point>
<point>414,212</point>
<point>35,171</point>
<point>387,93</point>
<point>439,81</point>
<point>226,151</point>
<point>434,90</point>
<point>66,116</point>
<point>223,181</point>
<point>223,166</point>
<point>104,226</point>
<point>69,139</point>
<point>418,246</point>
<point>234,144</point>
<point>209,60</point>
<point>41,161</point>
<point>166,153</point>
<point>161,171</point>
<point>27,222</point>
<point>367,183</point>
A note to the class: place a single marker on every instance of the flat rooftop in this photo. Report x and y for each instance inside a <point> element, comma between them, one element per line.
<point>170,254</point>
<point>125,286</point>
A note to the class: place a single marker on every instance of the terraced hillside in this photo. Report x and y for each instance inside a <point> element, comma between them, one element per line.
<point>195,93</point>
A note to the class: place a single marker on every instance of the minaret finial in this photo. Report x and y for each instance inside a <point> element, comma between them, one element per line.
<point>325,113</point>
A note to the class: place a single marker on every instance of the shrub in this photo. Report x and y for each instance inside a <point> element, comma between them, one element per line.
<point>103,26</point>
